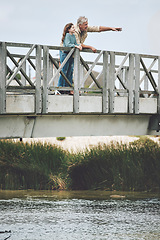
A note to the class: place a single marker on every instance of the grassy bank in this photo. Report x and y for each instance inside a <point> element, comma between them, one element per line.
<point>32,166</point>
<point>132,167</point>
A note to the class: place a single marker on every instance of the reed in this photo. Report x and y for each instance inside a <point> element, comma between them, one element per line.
<point>132,167</point>
<point>30,166</point>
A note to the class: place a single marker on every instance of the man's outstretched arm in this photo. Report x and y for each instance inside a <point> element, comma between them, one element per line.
<point>103,29</point>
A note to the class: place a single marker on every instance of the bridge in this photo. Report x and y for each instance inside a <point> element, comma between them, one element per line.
<point>115,93</point>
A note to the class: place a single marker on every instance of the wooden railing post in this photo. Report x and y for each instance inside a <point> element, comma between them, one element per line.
<point>76,81</point>
<point>105,83</point>
<point>130,84</point>
<point>45,78</point>
<point>126,75</point>
<point>137,82</point>
<point>111,83</point>
<point>38,96</point>
<point>3,70</point>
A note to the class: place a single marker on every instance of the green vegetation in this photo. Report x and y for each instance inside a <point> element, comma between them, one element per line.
<point>133,167</point>
<point>32,166</point>
<point>60,138</point>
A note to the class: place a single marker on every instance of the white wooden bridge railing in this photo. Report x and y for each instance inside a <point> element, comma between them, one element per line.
<point>119,74</point>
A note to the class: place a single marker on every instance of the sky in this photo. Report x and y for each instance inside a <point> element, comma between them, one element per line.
<point>42,22</point>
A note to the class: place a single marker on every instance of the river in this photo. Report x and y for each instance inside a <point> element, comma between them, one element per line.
<point>79,215</point>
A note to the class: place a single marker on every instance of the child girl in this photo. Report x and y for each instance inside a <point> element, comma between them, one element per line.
<point>68,40</point>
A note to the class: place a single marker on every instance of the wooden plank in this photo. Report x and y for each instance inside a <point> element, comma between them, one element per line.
<point>105,83</point>
<point>91,90</point>
<point>130,84</point>
<point>111,83</point>
<point>20,88</point>
<point>76,81</point>
<point>126,76</point>
<point>137,82</point>
<point>10,44</point>
<point>38,97</point>
<point>24,45</point>
<point>62,88</point>
<point>3,77</point>
<point>68,49</point>
<point>45,79</point>
<point>147,92</point>
<point>21,56</point>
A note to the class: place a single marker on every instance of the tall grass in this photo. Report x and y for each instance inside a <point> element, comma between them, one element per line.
<point>25,166</point>
<point>132,167</point>
<point>119,167</point>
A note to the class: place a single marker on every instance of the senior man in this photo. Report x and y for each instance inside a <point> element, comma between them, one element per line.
<point>82,28</point>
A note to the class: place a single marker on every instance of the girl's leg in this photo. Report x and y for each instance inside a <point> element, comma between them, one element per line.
<point>70,71</point>
<point>61,81</point>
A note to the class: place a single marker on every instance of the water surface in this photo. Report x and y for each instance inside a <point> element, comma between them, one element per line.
<point>79,215</point>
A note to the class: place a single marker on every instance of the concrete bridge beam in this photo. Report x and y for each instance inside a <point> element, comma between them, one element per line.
<point>13,126</point>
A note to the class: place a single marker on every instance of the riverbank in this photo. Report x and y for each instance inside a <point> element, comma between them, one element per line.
<point>130,166</point>
<point>76,144</point>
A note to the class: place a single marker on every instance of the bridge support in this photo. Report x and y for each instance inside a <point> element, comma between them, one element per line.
<point>13,126</point>
<point>154,123</point>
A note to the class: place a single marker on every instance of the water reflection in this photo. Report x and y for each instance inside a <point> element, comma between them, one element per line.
<point>79,215</point>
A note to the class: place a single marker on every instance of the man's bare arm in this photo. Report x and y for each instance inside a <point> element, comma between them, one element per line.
<point>103,29</point>
<point>89,47</point>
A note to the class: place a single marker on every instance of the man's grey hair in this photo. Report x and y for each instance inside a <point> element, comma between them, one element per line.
<point>81,20</point>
